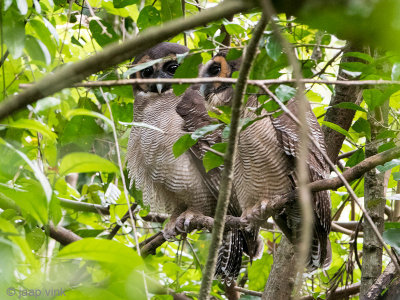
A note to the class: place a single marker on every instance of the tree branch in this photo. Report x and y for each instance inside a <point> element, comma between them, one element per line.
<point>115,54</point>
<point>357,171</point>
<point>227,173</point>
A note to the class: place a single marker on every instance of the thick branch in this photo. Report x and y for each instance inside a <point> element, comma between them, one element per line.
<point>357,171</point>
<point>381,283</point>
<point>63,235</point>
<point>115,54</point>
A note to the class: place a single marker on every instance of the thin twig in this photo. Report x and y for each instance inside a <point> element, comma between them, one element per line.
<point>267,82</point>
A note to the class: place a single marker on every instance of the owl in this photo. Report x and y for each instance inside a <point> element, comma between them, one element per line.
<point>265,163</point>
<point>172,185</point>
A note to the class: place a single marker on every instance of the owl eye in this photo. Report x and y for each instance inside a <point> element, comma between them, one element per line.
<point>214,70</point>
<point>146,73</point>
<point>171,67</point>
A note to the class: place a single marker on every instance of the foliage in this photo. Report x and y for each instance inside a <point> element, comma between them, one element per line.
<point>62,147</point>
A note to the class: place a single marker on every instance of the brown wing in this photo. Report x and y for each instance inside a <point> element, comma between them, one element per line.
<point>192,109</point>
<point>287,132</point>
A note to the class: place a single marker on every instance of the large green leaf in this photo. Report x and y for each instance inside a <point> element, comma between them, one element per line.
<point>392,237</point>
<point>123,3</point>
<point>103,251</point>
<point>103,34</point>
<point>183,144</point>
<point>34,126</point>
<point>37,50</point>
<point>14,33</point>
<point>149,16</point>
<point>188,69</point>
<point>81,162</point>
<point>337,128</point>
<point>170,9</point>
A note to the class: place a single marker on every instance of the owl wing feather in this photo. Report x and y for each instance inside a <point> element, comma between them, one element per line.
<point>288,136</point>
<point>235,241</point>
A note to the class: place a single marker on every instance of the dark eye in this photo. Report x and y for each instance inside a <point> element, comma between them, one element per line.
<point>171,68</point>
<point>146,73</point>
<point>214,70</point>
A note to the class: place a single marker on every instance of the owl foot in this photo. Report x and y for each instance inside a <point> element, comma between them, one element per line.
<point>186,223</point>
<point>261,211</point>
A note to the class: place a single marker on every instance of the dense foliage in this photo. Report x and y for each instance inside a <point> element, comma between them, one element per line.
<point>63,147</point>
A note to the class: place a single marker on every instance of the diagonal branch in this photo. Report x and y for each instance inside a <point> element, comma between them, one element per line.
<point>115,54</point>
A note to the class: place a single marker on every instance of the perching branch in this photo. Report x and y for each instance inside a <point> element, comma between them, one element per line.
<point>115,54</point>
<point>357,171</point>
<point>227,173</point>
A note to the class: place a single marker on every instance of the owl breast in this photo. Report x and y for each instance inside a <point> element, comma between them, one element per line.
<point>166,182</point>
<point>261,167</point>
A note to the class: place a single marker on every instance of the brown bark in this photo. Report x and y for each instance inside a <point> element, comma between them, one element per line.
<point>374,203</point>
<point>340,116</point>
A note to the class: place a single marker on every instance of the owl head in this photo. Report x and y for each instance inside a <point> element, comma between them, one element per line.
<point>164,69</point>
<point>217,94</point>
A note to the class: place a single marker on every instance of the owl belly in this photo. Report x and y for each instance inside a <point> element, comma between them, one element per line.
<point>168,183</point>
<point>261,167</point>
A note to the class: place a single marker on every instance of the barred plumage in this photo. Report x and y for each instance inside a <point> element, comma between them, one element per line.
<point>265,163</point>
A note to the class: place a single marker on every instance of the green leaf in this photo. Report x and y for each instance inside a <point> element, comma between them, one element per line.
<point>360,55</point>
<point>35,238</point>
<point>337,128</point>
<point>396,71</point>
<point>36,170</point>
<point>22,6</point>
<point>37,50</point>
<point>354,66</point>
<point>259,271</point>
<point>84,112</point>
<point>142,66</point>
<point>285,92</point>
<point>386,146</point>
<point>188,69</point>
<point>170,9</point>
<point>234,54</point>
<point>123,3</point>
<point>389,225</point>
<point>273,47</point>
<point>102,37</point>
<point>392,237</point>
<point>212,160</point>
<point>102,251</point>
<point>349,105</point>
<point>396,176</point>
<point>355,158</point>
<point>81,162</point>
<point>14,34</point>
<point>362,125</point>
<point>205,130</point>
<point>35,126</point>
<point>183,144</point>
<point>224,116</point>
<point>45,35</point>
<point>389,165</point>
<point>149,16</point>
<point>233,29</point>
<point>373,98</point>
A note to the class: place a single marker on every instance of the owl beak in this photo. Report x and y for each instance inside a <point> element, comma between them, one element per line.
<point>203,90</point>
<point>159,87</point>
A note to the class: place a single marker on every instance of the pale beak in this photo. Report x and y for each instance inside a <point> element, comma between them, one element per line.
<point>159,87</point>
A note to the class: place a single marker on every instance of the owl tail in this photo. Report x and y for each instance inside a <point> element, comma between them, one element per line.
<point>289,221</point>
<point>235,243</point>
<point>230,254</point>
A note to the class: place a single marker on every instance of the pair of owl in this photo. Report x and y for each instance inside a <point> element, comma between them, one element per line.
<point>264,166</point>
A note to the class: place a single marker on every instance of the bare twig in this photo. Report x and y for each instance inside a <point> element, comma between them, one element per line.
<point>267,82</point>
